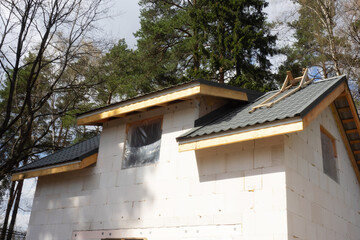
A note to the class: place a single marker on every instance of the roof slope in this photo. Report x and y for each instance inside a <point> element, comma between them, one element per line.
<point>295,105</point>
<point>76,152</point>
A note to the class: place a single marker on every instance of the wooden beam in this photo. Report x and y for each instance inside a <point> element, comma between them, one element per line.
<point>222,92</point>
<point>346,141</point>
<point>352,131</point>
<point>323,104</point>
<point>163,104</point>
<point>349,120</point>
<point>356,152</point>
<point>53,170</point>
<point>343,109</point>
<point>289,75</point>
<point>163,99</point>
<point>352,108</point>
<point>355,141</point>
<point>88,161</point>
<point>342,95</point>
<point>268,131</point>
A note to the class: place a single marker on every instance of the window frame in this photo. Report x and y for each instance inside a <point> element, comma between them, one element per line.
<point>324,131</point>
<point>139,123</point>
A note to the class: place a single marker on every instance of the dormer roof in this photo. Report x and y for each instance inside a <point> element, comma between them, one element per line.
<point>163,98</point>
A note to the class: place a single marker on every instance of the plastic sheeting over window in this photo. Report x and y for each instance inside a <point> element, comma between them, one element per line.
<point>142,145</point>
<point>329,155</point>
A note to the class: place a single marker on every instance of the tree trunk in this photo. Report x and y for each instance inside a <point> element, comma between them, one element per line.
<point>8,209</point>
<point>221,75</point>
<point>15,209</point>
<point>196,45</point>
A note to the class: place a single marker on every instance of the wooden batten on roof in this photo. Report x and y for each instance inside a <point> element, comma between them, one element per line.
<point>160,99</point>
<point>71,166</point>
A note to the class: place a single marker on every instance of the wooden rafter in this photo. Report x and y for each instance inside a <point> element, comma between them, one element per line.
<point>345,139</point>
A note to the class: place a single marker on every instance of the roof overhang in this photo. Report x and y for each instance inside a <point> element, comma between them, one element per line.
<point>160,99</point>
<point>264,130</point>
<point>59,168</point>
<point>245,134</point>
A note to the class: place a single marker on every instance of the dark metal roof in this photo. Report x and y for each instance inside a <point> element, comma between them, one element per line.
<point>76,152</point>
<point>250,93</point>
<point>295,105</point>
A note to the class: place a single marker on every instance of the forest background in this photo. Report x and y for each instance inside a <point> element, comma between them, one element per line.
<point>57,60</point>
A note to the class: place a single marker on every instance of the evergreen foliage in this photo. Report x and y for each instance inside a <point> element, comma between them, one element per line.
<point>225,41</point>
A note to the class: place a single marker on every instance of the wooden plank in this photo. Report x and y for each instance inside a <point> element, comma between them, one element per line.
<point>323,104</point>
<point>343,109</point>
<point>349,120</point>
<point>161,100</point>
<point>354,141</point>
<point>269,131</point>
<point>88,161</point>
<point>356,152</point>
<point>48,171</point>
<point>139,105</point>
<point>352,108</point>
<point>222,92</point>
<point>346,141</point>
<point>352,131</point>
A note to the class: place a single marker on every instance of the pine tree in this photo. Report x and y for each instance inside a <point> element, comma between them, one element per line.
<point>215,40</point>
<point>240,42</point>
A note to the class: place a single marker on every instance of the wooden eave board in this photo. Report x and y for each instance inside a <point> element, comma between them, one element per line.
<point>142,104</point>
<point>268,130</point>
<point>71,166</point>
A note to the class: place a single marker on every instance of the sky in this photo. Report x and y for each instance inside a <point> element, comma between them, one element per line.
<point>122,22</point>
<point>123,18</point>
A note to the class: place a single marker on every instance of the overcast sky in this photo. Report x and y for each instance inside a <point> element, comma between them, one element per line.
<point>124,20</point>
<point>122,23</point>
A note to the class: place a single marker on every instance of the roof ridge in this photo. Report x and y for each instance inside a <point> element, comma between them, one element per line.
<point>328,79</point>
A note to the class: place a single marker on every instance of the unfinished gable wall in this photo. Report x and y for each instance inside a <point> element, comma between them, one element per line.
<point>318,207</point>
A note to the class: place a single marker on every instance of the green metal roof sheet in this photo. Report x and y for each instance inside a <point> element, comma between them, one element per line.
<point>296,105</point>
<point>76,152</point>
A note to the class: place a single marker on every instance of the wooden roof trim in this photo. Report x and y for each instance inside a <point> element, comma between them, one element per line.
<point>345,140</point>
<point>352,108</point>
<point>268,131</point>
<point>313,113</point>
<point>56,169</point>
<point>161,100</point>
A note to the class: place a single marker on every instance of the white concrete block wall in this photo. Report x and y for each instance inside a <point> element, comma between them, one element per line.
<point>318,207</point>
<point>234,192</point>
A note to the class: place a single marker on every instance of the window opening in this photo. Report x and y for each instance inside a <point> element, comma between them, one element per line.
<point>142,144</point>
<point>329,154</point>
